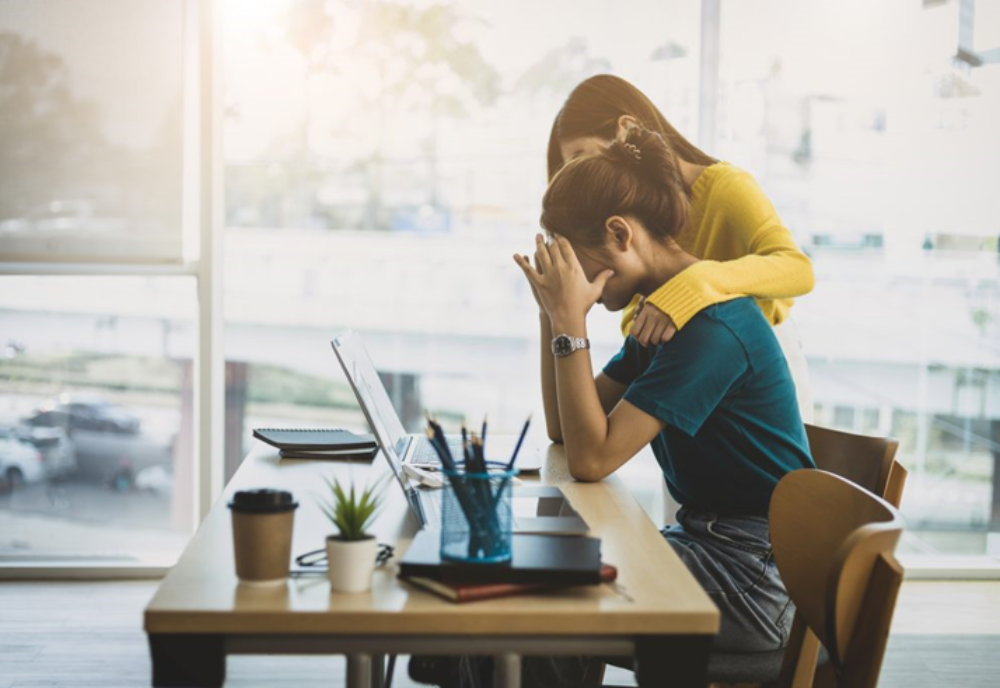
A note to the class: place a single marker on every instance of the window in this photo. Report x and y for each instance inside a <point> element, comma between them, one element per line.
<point>96,456</point>
<point>384,160</point>
<point>90,145</point>
<point>99,320</point>
<point>876,140</point>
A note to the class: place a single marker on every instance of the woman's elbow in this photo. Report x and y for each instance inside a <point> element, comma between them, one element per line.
<point>586,471</point>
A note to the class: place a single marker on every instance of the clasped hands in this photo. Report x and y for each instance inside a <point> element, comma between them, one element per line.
<point>565,294</point>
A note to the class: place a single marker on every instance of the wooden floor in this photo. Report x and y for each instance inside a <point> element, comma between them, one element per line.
<point>88,634</point>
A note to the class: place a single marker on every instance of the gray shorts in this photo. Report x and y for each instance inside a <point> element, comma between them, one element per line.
<point>731,557</point>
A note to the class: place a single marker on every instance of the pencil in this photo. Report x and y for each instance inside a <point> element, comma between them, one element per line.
<point>443,449</point>
<point>520,441</point>
<point>443,454</point>
<point>465,446</point>
<point>477,452</point>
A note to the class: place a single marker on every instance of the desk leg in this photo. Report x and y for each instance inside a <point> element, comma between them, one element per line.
<point>378,671</point>
<point>359,671</point>
<point>672,660</point>
<point>191,661</point>
<point>507,671</point>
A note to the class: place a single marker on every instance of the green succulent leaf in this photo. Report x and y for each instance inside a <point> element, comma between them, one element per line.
<point>350,511</point>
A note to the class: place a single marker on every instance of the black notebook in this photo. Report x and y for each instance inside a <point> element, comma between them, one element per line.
<point>547,559</point>
<point>343,454</point>
<point>294,440</point>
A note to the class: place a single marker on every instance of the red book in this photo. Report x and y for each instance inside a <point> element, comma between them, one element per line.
<point>471,592</point>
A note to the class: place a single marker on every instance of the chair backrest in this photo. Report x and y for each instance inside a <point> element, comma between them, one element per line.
<point>865,461</point>
<point>834,545</point>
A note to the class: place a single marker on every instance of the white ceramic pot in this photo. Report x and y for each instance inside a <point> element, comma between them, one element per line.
<point>350,563</point>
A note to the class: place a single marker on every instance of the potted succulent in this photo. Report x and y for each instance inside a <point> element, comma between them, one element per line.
<point>350,554</point>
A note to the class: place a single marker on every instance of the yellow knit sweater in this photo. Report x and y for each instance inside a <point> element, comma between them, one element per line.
<point>744,249</point>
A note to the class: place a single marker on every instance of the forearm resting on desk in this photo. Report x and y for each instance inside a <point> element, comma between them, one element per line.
<point>597,442</point>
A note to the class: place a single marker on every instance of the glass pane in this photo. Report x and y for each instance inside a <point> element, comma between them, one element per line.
<point>877,142</point>
<point>91,133</point>
<point>383,162</point>
<point>96,418</point>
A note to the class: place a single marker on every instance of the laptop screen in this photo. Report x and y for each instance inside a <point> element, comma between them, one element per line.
<point>372,397</point>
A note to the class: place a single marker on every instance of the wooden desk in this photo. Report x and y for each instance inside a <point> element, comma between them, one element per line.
<point>201,612</point>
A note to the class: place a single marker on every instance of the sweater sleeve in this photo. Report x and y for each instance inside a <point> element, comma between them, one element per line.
<point>773,266</point>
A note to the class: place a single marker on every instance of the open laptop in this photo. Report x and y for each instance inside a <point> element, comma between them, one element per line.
<point>536,509</point>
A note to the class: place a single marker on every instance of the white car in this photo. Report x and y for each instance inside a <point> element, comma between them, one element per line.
<point>20,463</point>
<point>58,455</point>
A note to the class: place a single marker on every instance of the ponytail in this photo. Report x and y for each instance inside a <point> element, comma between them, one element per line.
<point>638,176</point>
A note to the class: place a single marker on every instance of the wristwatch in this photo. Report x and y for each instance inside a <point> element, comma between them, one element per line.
<point>564,345</point>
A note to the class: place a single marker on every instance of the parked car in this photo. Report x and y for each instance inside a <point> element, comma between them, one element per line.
<point>58,454</point>
<point>109,446</point>
<point>20,463</point>
<point>85,412</point>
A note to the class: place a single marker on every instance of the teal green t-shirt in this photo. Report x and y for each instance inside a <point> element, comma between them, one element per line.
<point>723,388</point>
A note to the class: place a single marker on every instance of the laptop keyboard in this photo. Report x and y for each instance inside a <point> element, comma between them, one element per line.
<point>426,456</point>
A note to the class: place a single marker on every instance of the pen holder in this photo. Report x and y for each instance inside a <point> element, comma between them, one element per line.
<point>476,516</point>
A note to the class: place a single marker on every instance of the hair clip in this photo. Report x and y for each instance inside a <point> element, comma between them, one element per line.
<point>634,150</point>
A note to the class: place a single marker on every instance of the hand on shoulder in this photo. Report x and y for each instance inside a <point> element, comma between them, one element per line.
<point>651,326</point>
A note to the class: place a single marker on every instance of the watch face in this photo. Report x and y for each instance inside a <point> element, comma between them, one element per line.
<point>562,345</point>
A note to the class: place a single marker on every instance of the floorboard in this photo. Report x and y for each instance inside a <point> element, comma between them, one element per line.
<point>89,635</point>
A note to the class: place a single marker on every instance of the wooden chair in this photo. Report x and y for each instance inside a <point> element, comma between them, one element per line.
<point>865,461</point>
<point>835,548</point>
<point>868,462</point>
<point>834,545</point>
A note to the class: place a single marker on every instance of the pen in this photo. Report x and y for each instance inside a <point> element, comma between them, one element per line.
<point>517,447</point>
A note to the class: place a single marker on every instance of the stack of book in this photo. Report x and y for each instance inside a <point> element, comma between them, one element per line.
<point>303,443</point>
<point>538,563</point>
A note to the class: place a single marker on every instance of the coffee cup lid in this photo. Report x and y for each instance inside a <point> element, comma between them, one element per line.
<point>263,501</point>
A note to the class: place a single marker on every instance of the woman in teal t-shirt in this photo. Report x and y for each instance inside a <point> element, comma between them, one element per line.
<point>717,403</point>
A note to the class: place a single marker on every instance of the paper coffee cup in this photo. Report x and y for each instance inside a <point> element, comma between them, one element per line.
<point>262,534</point>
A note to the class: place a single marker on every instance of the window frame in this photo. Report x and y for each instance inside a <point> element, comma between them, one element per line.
<point>202,88</point>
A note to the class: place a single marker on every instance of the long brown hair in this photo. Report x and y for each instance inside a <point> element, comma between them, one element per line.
<point>638,177</point>
<point>593,109</point>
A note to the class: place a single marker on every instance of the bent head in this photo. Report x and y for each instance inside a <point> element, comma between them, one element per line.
<point>614,206</point>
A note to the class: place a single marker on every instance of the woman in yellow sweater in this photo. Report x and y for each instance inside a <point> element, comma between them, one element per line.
<point>743,247</point>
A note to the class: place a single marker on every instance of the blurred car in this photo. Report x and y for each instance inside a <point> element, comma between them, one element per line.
<point>85,412</point>
<point>58,454</point>
<point>106,438</point>
<point>20,463</point>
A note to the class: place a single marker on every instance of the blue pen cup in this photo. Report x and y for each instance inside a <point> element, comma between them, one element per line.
<point>476,516</point>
